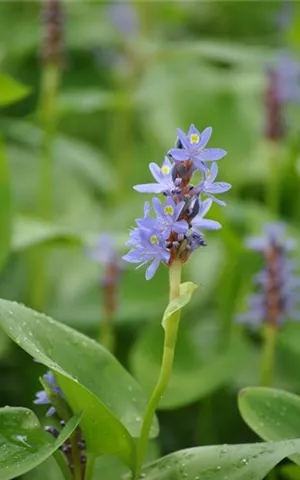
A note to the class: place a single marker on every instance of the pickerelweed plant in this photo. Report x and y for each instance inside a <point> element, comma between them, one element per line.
<point>278,292</point>
<point>172,236</point>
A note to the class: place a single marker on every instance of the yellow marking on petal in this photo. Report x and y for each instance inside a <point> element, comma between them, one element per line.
<point>165,170</point>
<point>154,240</point>
<point>208,174</point>
<point>194,138</point>
<point>169,210</point>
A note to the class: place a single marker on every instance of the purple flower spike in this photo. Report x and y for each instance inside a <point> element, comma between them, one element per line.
<point>192,147</point>
<point>151,248</point>
<point>209,187</point>
<point>173,233</point>
<point>104,251</point>
<point>202,223</point>
<point>163,176</point>
<point>278,296</point>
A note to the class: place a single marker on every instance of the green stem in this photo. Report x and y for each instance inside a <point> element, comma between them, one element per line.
<point>47,118</point>
<point>171,331</point>
<point>77,470</point>
<point>268,355</point>
<point>90,467</point>
<point>273,185</point>
<point>107,334</point>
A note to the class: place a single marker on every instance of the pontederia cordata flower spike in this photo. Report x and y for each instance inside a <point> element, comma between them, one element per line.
<point>176,230</point>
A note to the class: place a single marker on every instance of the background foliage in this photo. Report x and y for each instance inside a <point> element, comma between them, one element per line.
<point>127,83</point>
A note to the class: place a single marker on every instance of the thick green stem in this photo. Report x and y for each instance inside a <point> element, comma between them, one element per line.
<point>171,331</point>
<point>90,467</point>
<point>268,355</point>
<point>107,333</point>
<point>47,118</point>
<point>77,468</point>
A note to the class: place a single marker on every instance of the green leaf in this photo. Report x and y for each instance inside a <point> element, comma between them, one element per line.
<point>272,414</point>
<point>186,291</point>
<point>232,462</point>
<point>5,207</point>
<point>24,444</point>
<point>10,90</point>
<point>193,377</point>
<point>30,232</point>
<point>48,470</point>
<point>90,377</point>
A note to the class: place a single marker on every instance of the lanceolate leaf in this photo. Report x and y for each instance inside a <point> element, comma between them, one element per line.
<point>227,462</point>
<point>90,377</point>
<point>24,444</point>
<point>10,90</point>
<point>272,414</point>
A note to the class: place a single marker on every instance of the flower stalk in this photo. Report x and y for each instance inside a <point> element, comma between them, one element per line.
<point>268,355</point>
<point>171,331</point>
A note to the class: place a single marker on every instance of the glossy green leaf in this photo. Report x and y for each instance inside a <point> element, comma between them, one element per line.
<point>23,443</point>
<point>48,470</point>
<point>193,377</point>
<point>30,232</point>
<point>90,377</point>
<point>10,90</point>
<point>5,207</point>
<point>232,462</point>
<point>186,292</point>
<point>272,414</point>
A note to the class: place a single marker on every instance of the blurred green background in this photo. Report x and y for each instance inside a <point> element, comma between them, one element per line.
<point>131,75</point>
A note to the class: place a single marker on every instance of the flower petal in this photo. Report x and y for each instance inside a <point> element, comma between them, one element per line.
<point>206,224</point>
<point>180,227</point>
<point>150,188</point>
<point>183,138</point>
<point>156,171</point>
<point>216,200</point>
<point>179,155</point>
<point>204,208</point>
<point>205,137</point>
<point>157,207</point>
<point>152,268</point>
<point>218,187</point>
<point>133,256</point>
<point>211,154</point>
<point>213,172</point>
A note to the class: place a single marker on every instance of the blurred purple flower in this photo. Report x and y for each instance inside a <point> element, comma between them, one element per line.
<point>124,18</point>
<point>278,295</point>
<point>192,147</point>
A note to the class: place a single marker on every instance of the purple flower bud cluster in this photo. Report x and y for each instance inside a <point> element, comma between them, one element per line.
<point>66,448</point>
<point>42,397</point>
<point>176,230</point>
<point>278,287</point>
<point>283,87</point>
<point>53,20</point>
